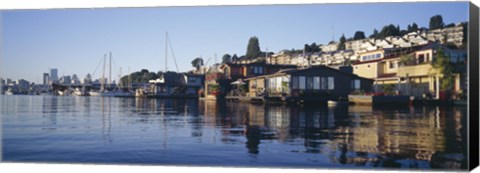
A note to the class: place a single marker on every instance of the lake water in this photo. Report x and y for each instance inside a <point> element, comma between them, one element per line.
<point>52,129</point>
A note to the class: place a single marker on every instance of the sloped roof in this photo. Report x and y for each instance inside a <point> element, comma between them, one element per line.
<point>293,71</point>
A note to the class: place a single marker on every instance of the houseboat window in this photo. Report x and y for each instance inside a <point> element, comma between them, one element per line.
<point>421,58</point>
<point>191,79</point>
<point>295,82</point>
<point>331,85</point>
<point>323,83</point>
<point>310,83</point>
<point>316,83</point>
<point>278,83</point>
<point>260,70</point>
<point>356,84</point>
<point>255,70</point>
<point>302,82</point>
<point>371,57</point>
<point>427,56</point>
<point>393,64</point>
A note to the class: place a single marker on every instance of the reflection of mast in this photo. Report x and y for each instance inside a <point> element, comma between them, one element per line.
<point>165,129</point>
<point>106,128</point>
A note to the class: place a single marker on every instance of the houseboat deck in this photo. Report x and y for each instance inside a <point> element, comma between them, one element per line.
<point>245,99</point>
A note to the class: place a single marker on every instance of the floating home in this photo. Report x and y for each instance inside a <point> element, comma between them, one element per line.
<point>315,84</point>
<point>173,84</point>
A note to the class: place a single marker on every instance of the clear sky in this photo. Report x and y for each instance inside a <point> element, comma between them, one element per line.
<point>75,40</point>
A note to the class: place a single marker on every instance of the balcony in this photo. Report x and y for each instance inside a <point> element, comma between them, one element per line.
<point>424,69</point>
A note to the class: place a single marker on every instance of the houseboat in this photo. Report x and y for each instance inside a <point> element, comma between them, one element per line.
<point>309,85</point>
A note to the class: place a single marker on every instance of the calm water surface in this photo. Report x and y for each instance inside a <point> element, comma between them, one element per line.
<point>202,133</point>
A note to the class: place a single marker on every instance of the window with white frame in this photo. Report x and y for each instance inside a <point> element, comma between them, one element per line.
<point>323,83</point>
<point>356,84</point>
<point>294,82</point>
<point>331,83</point>
<point>309,83</point>
<point>302,82</point>
<point>316,83</point>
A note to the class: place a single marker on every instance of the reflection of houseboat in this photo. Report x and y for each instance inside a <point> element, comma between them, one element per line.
<point>316,84</point>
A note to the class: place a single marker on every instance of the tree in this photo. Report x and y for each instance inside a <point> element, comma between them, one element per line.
<point>450,25</point>
<point>407,60</point>
<point>234,57</point>
<point>226,58</point>
<point>389,30</point>
<point>443,66</point>
<point>312,48</point>
<point>359,35</point>
<point>374,34</point>
<point>197,63</point>
<point>436,22</point>
<point>253,48</point>
<point>142,76</point>
<point>412,28</point>
<point>341,43</point>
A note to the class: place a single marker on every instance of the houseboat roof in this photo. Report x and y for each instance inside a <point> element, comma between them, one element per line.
<point>259,63</point>
<point>293,71</point>
<point>376,60</point>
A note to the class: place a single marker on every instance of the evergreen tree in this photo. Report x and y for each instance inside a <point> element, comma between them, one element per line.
<point>197,63</point>
<point>389,30</point>
<point>341,43</point>
<point>226,58</point>
<point>374,34</point>
<point>414,27</point>
<point>253,48</point>
<point>234,57</point>
<point>314,47</point>
<point>436,22</point>
<point>359,35</point>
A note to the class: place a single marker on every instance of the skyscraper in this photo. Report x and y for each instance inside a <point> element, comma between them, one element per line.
<point>46,78</point>
<point>54,74</point>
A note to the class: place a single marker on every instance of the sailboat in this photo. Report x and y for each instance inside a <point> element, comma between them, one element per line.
<point>102,81</point>
<point>142,92</point>
<point>117,92</point>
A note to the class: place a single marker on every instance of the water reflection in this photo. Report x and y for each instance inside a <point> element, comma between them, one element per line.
<point>187,131</point>
<point>408,137</point>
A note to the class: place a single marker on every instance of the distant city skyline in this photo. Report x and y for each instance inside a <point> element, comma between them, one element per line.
<point>74,41</point>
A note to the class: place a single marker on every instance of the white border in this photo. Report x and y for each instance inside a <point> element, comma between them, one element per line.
<point>49,4</point>
<point>74,168</point>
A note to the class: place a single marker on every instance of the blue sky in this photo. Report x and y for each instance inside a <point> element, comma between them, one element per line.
<point>75,40</point>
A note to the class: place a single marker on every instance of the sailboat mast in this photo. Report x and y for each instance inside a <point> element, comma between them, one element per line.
<point>110,71</point>
<point>166,52</point>
<point>102,82</point>
<point>129,83</point>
